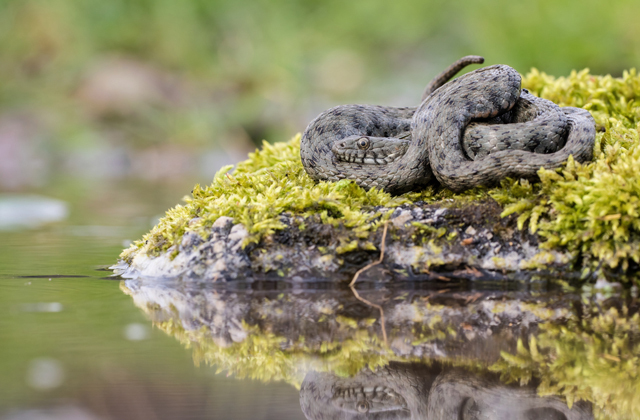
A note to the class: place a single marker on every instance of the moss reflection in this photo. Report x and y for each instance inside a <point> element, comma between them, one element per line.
<point>594,357</point>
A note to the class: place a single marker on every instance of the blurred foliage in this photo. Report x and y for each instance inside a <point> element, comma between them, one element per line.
<point>261,69</point>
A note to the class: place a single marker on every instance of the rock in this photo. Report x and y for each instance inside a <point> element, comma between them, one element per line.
<point>424,242</point>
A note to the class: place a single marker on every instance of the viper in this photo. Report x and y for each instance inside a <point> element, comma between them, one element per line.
<point>471,131</point>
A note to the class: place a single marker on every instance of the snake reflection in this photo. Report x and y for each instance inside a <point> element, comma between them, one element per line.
<point>413,391</point>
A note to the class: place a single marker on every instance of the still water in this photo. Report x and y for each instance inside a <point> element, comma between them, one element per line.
<point>77,343</point>
<point>74,346</point>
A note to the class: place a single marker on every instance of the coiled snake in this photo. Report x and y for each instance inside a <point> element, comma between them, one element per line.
<point>474,130</point>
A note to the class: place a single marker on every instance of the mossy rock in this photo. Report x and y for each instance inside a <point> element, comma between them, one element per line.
<point>268,220</point>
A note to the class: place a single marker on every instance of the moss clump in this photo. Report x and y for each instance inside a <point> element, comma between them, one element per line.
<point>594,208</point>
<point>272,181</point>
<point>590,209</point>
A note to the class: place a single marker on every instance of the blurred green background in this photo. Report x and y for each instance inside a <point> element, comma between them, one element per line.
<point>164,89</point>
<point>116,108</point>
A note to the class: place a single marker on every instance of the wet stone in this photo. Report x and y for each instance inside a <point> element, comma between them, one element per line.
<point>432,242</point>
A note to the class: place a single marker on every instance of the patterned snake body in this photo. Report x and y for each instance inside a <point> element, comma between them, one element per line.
<point>541,124</point>
<point>443,116</point>
<point>481,115</point>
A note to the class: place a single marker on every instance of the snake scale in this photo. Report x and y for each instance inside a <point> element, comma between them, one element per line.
<point>474,130</point>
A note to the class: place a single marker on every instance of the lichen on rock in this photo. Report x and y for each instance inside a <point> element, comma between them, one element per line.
<point>268,218</point>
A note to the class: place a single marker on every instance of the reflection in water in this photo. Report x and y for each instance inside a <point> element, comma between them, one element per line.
<point>435,392</point>
<point>449,355</point>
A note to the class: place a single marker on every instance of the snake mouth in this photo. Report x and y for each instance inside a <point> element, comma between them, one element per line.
<point>370,399</point>
<point>370,150</point>
<point>353,158</point>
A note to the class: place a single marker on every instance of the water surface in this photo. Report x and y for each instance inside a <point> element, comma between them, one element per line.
<point>72,345</point>
<point>78,343</point>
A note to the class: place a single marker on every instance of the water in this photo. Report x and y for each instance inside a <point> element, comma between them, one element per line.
<point>73,345</point>
<point>77,343</point>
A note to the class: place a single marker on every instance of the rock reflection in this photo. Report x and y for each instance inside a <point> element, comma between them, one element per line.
<point>452,354</point>
<point>436,392</point>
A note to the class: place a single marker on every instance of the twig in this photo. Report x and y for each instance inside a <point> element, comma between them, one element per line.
<point>366,267</point>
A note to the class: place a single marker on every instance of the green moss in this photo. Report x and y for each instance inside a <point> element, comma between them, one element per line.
<point>591,210</point>
<point>428,231</point>
<point>272,181</point>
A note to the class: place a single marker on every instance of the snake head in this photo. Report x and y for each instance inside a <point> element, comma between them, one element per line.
<point>369,150</point>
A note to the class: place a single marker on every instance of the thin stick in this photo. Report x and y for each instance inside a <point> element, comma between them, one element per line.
<point>366,267</point>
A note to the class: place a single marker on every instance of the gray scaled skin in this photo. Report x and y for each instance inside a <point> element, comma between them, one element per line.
<point>348,124</point>
<point>479,116</point>
<point>489,92</point>
<point>541,127</point>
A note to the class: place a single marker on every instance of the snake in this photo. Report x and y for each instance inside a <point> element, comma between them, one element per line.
<point>471,131</point>
<point>417,391</point>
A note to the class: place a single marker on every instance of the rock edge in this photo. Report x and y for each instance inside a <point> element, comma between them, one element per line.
<point>424,242</point>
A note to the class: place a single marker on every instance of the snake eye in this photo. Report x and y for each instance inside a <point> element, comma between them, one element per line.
<point>362,407</point>
<point>363,143</point>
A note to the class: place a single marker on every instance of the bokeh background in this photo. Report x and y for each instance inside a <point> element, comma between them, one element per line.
<point>161,90</point>
<point>111,110</point>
